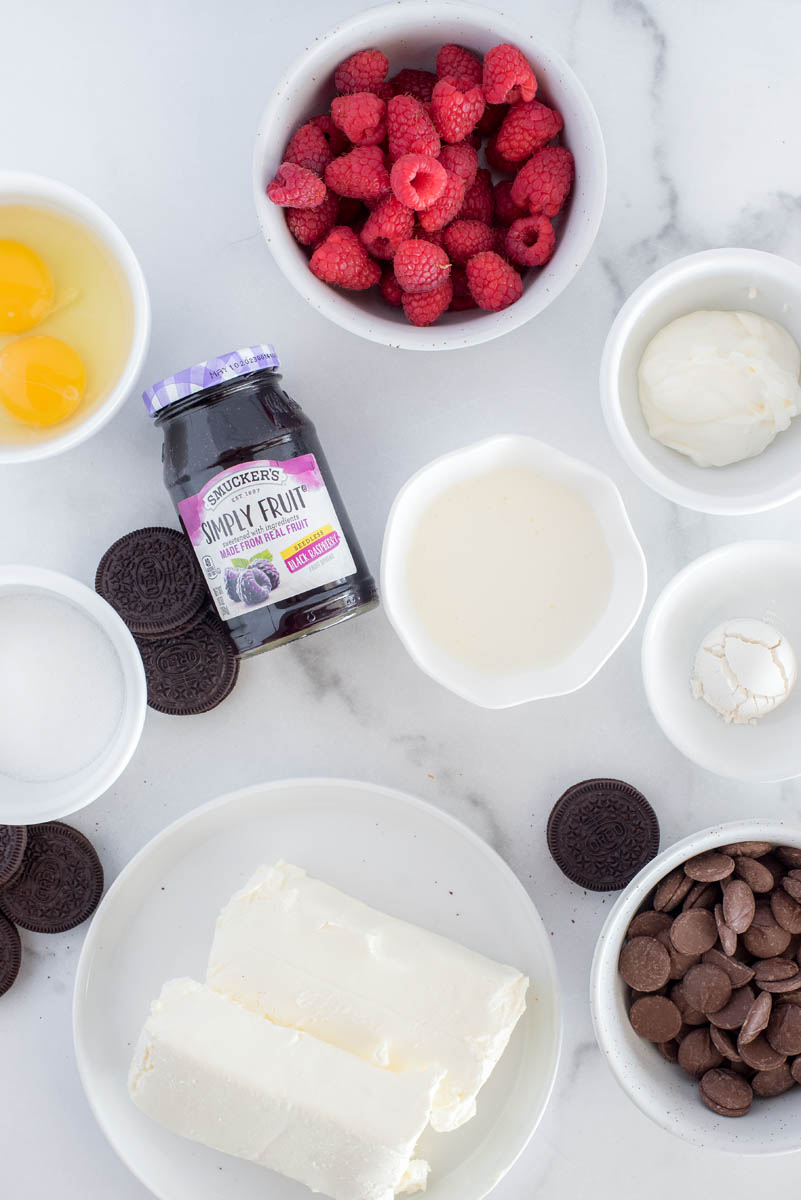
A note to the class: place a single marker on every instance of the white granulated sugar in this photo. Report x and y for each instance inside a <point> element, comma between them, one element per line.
<point>61,688</point>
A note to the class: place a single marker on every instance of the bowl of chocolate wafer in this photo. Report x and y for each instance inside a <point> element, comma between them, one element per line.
<point>696,988</point>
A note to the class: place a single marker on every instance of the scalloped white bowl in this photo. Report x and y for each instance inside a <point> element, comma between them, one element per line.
<point>629,579</point>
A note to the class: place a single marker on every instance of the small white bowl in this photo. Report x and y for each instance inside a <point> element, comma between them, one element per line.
<point>410,34</point>
<point>25,802</point>
<point>19,188</point>
<point>661,1089</point>
<point>745,579</point>
<point>628,583</point>
<point>729,279</point>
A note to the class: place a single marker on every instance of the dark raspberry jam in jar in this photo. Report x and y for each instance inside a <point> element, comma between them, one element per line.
<point>257,500</point>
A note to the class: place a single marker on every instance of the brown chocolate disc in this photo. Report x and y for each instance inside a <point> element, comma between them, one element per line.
<point>792,885</point>
<point>786,911</point>
<point>59,884</point>
<point>780,987</point>
<point>709,868</point>
<point>759,1054</point>
<point>784,1030</point>
<point>726,1093</point>
<point>739,905</point>
<point>671,890</point>
<point>768,1084</point>
<point>765,938</point>
<point>706,988</point>
<point>790,856</point>
<point>697,1054</point>
<point>690,1016</point>
<point>755,874</point>
<point>655,1018</point>
<point>13,840</point>
<point>679,963</point>
<point>648,924</point>
<point>724,1044</point>
<point>770,969</point>
<point>732,1015</point>
<point>757,1020</point>
<point>701,895</point>
<point>645,965</point>
<point>727,936</point>
<point>10,954</point>
<point>752,849</point>
<point>738,972</point>
<point>795,1069</point>
<point>669,1050</point>
<point>694,931</point>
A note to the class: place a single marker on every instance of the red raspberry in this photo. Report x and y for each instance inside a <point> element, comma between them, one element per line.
<point>442,211</point>
<point>295,187</point>
<point>463,239</point>
<point>527,127</point>
<point>455,60</point>
<point>494,283</point>
<point>456,108</point>
<point>462,299</point>
<point>361,116</point>
<point>420,266</point>
<point>543,183</point>
<point>497,161</point>
<point>384,91</point>
<point>389,224</point>
<point>310,225</point>
<point>364,71</point>
<point>308,147</point>
<point>462,159</point>
<point>417,180</point>
<point>506,210</point>
<point>530,241</point>
<point>391,290</point>
<point>424,310</point>
<point>411,82</point>
<point>478,200</point>
<point>499,233</point>
<point>435,236</point>
<point>343,260</point>
<point>410,128</point>
<point>491,120</point>
<point>361,174</point>
<point>335,137</point>
<point>508,76</point>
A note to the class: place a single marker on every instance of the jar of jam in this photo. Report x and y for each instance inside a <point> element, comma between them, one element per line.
<point>257,500</point>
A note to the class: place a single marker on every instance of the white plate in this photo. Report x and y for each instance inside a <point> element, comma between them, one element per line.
<point>392,851</point>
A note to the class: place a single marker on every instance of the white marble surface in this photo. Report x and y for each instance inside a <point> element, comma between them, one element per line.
<point>151,109</point>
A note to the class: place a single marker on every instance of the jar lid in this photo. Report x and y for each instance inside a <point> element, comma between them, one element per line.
<point>209,374</point>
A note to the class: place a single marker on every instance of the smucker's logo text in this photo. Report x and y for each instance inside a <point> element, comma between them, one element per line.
<point>240,479</point>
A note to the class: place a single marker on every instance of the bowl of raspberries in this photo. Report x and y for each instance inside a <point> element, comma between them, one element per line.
<point>429,176</point>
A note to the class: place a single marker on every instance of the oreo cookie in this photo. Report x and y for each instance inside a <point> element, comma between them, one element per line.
<point>13,840</point>
<point>10,954</point>
<point>59,883</point>
<point>152,578</point>
<point>192,672</point>
<point>601,832</point>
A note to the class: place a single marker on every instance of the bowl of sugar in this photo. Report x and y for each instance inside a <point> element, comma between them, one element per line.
<point>73,693</point>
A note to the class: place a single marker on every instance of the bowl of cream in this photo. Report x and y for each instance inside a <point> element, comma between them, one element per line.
<point>510,571</point>
<point>700,381</point>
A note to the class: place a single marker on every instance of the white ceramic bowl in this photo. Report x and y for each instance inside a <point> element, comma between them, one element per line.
<point>25,802</point>
<point>628,583</point>
<point>731,279</point>
<point>410,33</point>
<point>19,188</point>
<point>661,1089</point>
<point>745,579</point>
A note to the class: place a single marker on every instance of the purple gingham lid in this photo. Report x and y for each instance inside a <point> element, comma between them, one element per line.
<point>207,374</point>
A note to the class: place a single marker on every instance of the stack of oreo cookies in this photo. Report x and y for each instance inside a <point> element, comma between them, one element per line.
<point>152,578</point>
<point>51,880</point>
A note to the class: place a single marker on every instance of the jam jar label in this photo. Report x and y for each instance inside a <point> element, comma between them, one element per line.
<point>265,531</point>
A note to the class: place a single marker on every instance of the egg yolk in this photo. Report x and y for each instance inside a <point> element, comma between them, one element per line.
<point>26,288</point>
<point>42,380</point>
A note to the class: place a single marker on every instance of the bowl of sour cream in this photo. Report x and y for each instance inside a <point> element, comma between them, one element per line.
<point>700,381</point>
<point>510,571</point>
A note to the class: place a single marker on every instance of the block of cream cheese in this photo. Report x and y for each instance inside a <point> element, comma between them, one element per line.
<point>211,1071</point>
<point>308,956</point>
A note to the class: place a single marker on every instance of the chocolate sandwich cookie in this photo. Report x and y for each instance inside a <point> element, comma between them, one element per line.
<point>13,840</point>
<point>153,580</point>
<point>601,833</point>
<point>10,954</point>
<point>192,672</point>
<point>59,883</point>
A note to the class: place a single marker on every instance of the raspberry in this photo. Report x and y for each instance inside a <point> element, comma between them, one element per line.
<point>424,310</point>
<point>506,210</point>
<point>410,128</point>
<point>456,108</point>
<point>384,91</point>
<point>310,225</point>
<point>530,241</point>
<point>508,76</point>
<point>360,174</point>
<point>543,183</point>
<point>391,290</point>
<point>526,128</point>
<point>420,266</point>
<point>308,147</point>
<point>493,283</point>
<point>389,224</point>
<point>491,120</point>
<point>362,72</point>
<point>343,260</point>
<point>361,116</point>
<point>462,159</point>
<point>335,137</point>
<point>463,239</point>
<point>496,160</point>
<point>455,60</point>
<point>417,180</point>
<point>478,200</point>
<point>435,236</point>
<point>499,233</point>
<point>462,300</point>
<point>411,82</point>
<point>295,187</point>
<point>442,211</point>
